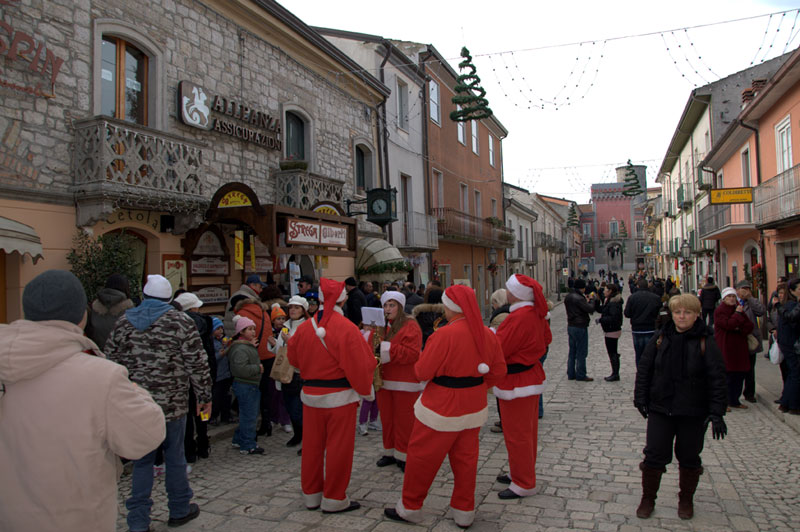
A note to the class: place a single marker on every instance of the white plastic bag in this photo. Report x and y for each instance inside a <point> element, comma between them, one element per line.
<point>775,355</point>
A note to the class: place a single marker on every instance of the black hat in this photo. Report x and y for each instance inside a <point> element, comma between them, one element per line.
<point>54,295</point>
<point>119,282</point>
<point>351,281</point>
<point>579,283</point>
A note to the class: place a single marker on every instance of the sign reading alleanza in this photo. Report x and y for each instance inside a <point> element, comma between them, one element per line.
<point>722,196</point>
<point>259,128</point>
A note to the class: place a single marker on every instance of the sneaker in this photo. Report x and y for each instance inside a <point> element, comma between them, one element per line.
<point>374,425</point>
<point>287,429</point>
<point>158,470</point>
<point>235,445</point>
<point>254,450</point>
<point>362,429</point>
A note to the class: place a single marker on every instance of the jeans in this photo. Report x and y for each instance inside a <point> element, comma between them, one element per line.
<point>578,351</point>
<point>177,483</point>
<point>249,398</point>
<point>735,382</point>
<point>750,378</point>
<point>294,406</point>
<point>640,341</point>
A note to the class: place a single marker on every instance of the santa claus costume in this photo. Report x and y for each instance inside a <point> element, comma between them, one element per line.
<point>337,367</point>
<point>524,336</point>
<point>459,361</point>
<point>399,351</point>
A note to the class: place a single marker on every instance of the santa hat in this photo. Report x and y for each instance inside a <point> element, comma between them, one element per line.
<point>461,300</point>
<point>527,289</point>
<point>330,293</point>
<point>397,296</point>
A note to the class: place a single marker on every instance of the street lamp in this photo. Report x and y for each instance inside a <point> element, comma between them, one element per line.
<point>492,256</point>
<point>686,252</point>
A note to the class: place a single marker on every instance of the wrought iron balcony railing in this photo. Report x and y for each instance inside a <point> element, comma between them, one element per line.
<point>416,230</point>
<point>716,220</point>
<point>776,201</point>
<point>455,226</point>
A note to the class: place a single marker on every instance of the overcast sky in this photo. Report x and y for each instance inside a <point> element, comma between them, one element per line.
<point>575,112</point>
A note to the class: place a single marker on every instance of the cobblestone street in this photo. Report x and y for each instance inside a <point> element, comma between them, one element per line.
<point>590,444</point>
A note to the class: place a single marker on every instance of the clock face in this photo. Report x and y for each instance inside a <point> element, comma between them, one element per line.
<point>379,206</point>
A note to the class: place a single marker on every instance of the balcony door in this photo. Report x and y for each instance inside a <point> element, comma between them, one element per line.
<point>123,79</point>
<point>747,210</point>
<point>464,206</point>
<point>405,207</point>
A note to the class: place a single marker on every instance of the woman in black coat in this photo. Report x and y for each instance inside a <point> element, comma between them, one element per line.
<point>680,389</point>
<point>610,320</point>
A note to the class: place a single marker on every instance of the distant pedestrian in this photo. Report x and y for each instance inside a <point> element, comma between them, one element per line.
<point>610,309</point>
<point>578,308</point>
<point>430,314</point>
<point>221,404</point>
<point>788,334</point>
<point>500,308</point>
<point>412,298</point>
<point>356,300</point>
<point>709,297</point>
<point>246,369</point>
<point>731,328</point>
<point>753,309</point>
<point>251,289</point>
<point>642,309</point>
<point>111,302</point>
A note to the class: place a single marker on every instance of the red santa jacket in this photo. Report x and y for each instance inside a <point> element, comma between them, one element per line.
<point>524,337</point>
<point>344,355</point>
<point>398,356</point>
<point>730,332</point>
<point>451,352</point>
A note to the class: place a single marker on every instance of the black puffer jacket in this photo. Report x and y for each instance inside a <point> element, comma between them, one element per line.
<point>642,309</point>
<point>710,296</point>
<point>429,316</point>
<point>610,313</point>
<point>578,309</point>
<point>676,378</point>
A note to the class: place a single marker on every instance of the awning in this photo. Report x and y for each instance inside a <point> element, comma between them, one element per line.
<point>20,238</point>
<point>373,251</point>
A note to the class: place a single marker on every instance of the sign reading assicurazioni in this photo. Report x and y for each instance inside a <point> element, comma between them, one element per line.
<point>227,116</point>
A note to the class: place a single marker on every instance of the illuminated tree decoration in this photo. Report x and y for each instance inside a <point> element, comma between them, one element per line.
<point>469,93</point>
<point>632,186</point>
<point>572,217</point>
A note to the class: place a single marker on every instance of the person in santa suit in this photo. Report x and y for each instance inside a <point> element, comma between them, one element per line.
<point>337,368</point>
<point>399,351</point>
<point>460,361</point>
<point>524,336</point>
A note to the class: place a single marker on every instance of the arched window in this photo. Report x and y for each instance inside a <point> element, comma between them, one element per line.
<point>124,80</point>
<point>295,137</point>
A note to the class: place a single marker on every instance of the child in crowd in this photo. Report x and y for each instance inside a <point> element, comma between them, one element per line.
<point>246,370</point>
<point>221,402</point>
<point>368,417</point>
<point>278,317</point>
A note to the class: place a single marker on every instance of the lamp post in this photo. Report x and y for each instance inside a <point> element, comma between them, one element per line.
<point>686,252</point>
<point>492,256</point>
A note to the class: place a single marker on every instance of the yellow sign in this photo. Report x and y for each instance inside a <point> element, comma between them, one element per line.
<point>253,252</point>
<point>238,250</point>
<point>234,198</point>
<point>720,196</point>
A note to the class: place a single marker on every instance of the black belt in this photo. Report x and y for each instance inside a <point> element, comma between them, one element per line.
<point>328,383</point>
<point>457,382</point>
<point>517,368</point>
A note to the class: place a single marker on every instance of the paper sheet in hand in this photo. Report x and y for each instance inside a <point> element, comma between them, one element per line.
<point>372,316</point>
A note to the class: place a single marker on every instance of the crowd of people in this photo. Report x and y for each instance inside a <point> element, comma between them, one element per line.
<point>146,378</point>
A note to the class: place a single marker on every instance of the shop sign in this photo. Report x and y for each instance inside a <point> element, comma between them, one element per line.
<point>262,264</point>
<point>328,207</point>
<point>234,198</point>
<point>16,45</point>
<point>213,295</point>
<point>724,196</point>
<point>315,233</point>
<point>200,110</point>
<point>238,250</point>
<point>210,266</point>
<point>209,245</point>
<point>148,218</point>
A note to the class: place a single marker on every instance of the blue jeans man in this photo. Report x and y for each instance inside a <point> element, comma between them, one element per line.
<point>640,341</point>
<point>179,493</point>
<point>578,351</point>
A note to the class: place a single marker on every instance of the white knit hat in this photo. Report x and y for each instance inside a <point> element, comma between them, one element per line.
<point>397,296</point>
<point>188,300</point>
<point>157,286</point>
<point>299,301</point>
<point>728,292</point>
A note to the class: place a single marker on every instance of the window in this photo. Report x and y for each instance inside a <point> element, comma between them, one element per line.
<point>438,189</point>
<point>640,247</point>
<point>613,228</point>
<point>478,209</point>
<point>719,182</point>
<point>520,249</point>
<point>783,143</point>
<point>364,165</point>
<point>474,136</point>
<point>123,81</point>
<point>746,168</point>
<point>434,99</point>
<point>462,130</point>
<point>464,199</point>
<point>587,230</point>
<point>587,247</point>
<point>295,137</point>
<point>491,149</point>
<point>402,104</point>
<point>444,275</point>
<point>527,244</point>
<point>639,229</point>
<point>494,207</point>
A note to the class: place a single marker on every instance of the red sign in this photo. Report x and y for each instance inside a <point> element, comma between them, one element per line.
<point>315,233</point>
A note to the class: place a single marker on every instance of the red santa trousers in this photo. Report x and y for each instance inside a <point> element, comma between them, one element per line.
<point>426,451</point>
<point>520,418</point>
<point>328,432</point>
<point>397,420</point>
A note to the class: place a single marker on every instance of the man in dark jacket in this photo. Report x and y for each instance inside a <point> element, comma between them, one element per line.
<point>412,298</point>
<point>578,310</point>
<point>709,298</point>
<point>642,309</point>
<point>753,309</point>
<point>355,300</point>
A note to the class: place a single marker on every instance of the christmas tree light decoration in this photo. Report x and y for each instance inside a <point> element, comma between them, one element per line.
<point>632,186</point>
<point>469,93</point>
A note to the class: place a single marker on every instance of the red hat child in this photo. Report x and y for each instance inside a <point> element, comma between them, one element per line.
<point>330,293</point>
<point>461,300</point>
<point>528,289</point>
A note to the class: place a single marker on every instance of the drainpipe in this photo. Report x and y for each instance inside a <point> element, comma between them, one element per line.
<point>384,133</point>
<point>761,231</point>
<point>425,153</point>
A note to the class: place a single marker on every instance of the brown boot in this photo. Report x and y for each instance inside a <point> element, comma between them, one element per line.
<point>687,480</point>
<point>651,480</point>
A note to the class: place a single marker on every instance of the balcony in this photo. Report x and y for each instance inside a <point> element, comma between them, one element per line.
<point>516,253</point>
<point>684,197</point>
<point>302,189</point>
<point>417,231</point>
<point>718,221</point>
<point>118,164</point>
<point>540,239</point>
<point>777,201</point>
<point>455,226</point>
<point>533,256</point>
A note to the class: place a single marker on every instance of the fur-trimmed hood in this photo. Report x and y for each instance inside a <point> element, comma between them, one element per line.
<point>427,307</point>
<point>111,302</point>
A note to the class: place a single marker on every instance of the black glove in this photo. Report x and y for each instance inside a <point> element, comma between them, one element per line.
<point>642,409</point>
<point>718,427</point>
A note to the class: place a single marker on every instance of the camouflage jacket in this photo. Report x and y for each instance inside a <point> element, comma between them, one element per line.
<point>163,359</point>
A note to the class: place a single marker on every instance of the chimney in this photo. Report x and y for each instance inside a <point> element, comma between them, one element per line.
<point>747,96</point>
<point>758,84</point>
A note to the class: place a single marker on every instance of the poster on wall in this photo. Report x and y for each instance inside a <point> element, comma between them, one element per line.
<point>175,271</point>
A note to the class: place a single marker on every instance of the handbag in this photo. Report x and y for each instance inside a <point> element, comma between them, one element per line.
<point>752,343</point>
<point>282,371</point>
<point>775,355</point>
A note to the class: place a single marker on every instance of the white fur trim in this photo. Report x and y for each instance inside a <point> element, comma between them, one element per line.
<point>518,289</point>
<point>522,492</point>
<point>371,396</point>
<point>462,518</point>
<point>483,368</point>
<point>341,298</point>
<point>412,516</point>
<point>449,303</point>
<point>436,421</point>
<point>547,316</point>
<point>520,304</point>
<point>312,500</point>
<point>493,329</point>
<point>321,332</point>
<point>385,356</point>
<point>388,452</point>
<point>523,391</point>
<point>402,386</point>
<point>399,456</point>
<point>397,296</point>
<point>329,400</point>
<point>332,505</point>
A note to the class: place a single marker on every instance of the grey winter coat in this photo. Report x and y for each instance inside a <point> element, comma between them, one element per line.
<point>104,313</point>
